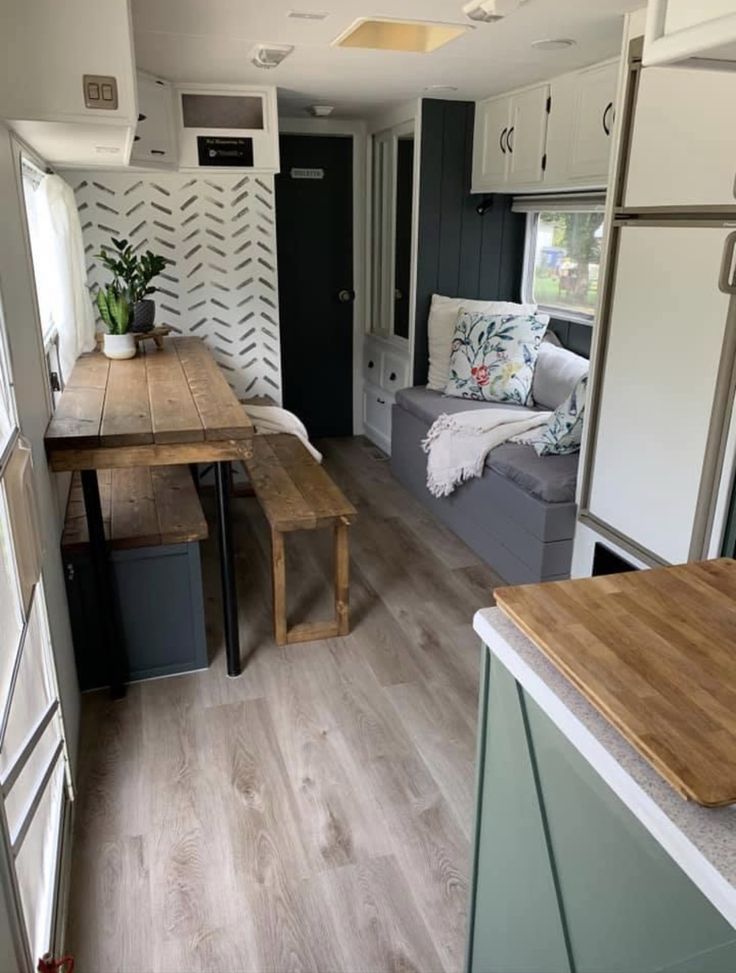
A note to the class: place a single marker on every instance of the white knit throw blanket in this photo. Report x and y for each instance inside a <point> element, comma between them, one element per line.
<point>272,419</point>
<point>457,446</point>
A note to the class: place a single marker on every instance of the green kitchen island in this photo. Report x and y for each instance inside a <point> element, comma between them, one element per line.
<point>586,860</point>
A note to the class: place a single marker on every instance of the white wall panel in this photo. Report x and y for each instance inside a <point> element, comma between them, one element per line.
<point>219,234</point>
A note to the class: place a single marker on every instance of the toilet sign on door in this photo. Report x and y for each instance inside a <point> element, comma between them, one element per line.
<point>307,173</point>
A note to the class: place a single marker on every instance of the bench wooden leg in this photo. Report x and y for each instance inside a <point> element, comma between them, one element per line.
<point>342,578</point>
<point>278,560</point>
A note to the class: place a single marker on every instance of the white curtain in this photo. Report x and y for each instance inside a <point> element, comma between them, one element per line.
<point>61,274</point>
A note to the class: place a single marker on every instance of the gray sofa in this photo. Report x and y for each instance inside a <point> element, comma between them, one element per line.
<point>519,517</point>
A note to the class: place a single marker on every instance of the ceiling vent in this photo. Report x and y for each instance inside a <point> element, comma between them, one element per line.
<point>308,14</point>
<point>270,55</point>
<point>384,34</point>
<point>489,11</point>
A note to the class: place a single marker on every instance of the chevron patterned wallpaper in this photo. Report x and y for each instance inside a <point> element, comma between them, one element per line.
<point>218,233</point>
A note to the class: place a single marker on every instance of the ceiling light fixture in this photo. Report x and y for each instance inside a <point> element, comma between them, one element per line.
<point>553,44</point>
<point>441,87</point>
<point>270,55</point>
<point>321,111</point>
<point>490,11</point>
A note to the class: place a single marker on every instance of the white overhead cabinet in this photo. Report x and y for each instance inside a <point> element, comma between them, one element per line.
<point>681,29</point>
<point>683,146</point>
<point>155,134</point>
<point>554,137</point>
<point>509,141</point>
<point>227,127</point>
<point>581,120</point>
<point>67,78</point>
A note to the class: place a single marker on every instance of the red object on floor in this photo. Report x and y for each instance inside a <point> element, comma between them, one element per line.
<point>47,964</point>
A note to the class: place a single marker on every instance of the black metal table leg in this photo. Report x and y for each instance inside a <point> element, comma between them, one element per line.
<point>109,610</point>
<point>223,479</point>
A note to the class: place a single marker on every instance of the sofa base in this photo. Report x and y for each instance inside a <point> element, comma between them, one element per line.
<point>522,538</point>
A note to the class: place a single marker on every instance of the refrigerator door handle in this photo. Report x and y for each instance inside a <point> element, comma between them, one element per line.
<point>727,279</point>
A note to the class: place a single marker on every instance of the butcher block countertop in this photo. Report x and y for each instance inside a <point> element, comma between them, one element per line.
<point>655,652</point>
<point>701,840</point>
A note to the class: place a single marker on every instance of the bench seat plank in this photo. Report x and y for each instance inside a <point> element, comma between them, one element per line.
<point>140,508</point>
<point>282,502</point>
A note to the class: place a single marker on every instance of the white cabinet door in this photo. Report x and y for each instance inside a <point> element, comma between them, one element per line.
<point>684,14</point>
<point>683,144</point>
<point>155,138</point>
<point>490,149</point>
<point>593,115</point>
<point>665,341</point>
<point>527,137</point>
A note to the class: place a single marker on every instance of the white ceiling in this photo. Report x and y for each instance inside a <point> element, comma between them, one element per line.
<point>209,41</point>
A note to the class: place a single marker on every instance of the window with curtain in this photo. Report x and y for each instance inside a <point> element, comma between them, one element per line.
<point>564,243</point>
<point>59,267</point>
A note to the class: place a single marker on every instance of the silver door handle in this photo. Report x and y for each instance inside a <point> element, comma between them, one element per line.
<point>727,279</point>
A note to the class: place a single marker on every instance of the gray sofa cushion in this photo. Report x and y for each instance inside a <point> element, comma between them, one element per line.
<point>549,478</point>
<point>429,406</point>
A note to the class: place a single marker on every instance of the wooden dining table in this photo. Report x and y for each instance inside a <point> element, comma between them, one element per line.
<point>164,407</point>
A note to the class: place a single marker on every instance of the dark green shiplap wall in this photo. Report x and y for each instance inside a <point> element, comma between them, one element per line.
<point>460,253</point>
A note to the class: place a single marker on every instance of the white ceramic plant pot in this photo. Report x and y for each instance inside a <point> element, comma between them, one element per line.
<point>120,345</point>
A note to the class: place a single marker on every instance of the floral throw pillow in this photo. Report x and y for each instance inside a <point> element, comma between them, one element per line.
<point>493,356</point>
<point>564,431</point>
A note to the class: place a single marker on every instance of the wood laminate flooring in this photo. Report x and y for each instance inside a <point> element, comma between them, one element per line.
<point>315,813</point>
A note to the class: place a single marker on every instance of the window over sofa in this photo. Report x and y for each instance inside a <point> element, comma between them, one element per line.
<point>563,251</point>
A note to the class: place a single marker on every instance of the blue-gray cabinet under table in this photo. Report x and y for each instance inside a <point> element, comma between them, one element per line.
<point>585,861</point>
<point>153,523</point>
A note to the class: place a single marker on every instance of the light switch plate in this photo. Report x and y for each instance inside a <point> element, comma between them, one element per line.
<point>100,91</point>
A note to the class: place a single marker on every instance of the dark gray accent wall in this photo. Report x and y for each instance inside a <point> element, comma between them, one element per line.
<point>460,253</point>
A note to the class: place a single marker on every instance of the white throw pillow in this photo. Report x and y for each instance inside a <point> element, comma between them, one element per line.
<point>441,325</point>
<point>556,374</point>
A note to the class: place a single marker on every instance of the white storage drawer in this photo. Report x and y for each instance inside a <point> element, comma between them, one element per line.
<point>683,146</point>
<point>377,406</point>
<point>394,373</point>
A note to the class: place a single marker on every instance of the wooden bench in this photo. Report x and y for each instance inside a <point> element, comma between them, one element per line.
<point>296,493</point>
<point>153,522</point>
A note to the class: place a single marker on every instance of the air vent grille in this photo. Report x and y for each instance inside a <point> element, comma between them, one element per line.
<point>308,14</point>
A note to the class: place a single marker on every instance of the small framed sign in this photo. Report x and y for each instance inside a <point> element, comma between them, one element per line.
<point>213,150</point>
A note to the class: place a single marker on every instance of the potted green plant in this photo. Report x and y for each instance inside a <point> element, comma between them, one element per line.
<point>136,273</point>
<point>113,303</point>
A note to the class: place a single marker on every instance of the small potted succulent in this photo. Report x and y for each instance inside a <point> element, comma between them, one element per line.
<point>136,274</point>
<point>113,303</point>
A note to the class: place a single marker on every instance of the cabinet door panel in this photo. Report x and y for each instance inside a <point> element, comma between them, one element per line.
<point>683,147</point>
<point>155,138</point>
<point>592,127</point>
<point>490,154</point>
<point>666,335</point>
<point>516,919</point>
<point>527,136</point>
<point>628,905</point>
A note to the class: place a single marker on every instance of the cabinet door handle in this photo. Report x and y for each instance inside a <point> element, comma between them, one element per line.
<point>727,279</point>
<point>509,143</point>
<point>381,401</point>
<point>392,377</point>
<point>371,364</point>
<point>606,126</point>
<point>500,141</point>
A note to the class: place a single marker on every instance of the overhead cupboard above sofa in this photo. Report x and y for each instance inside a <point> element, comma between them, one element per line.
<point>555,136</point>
